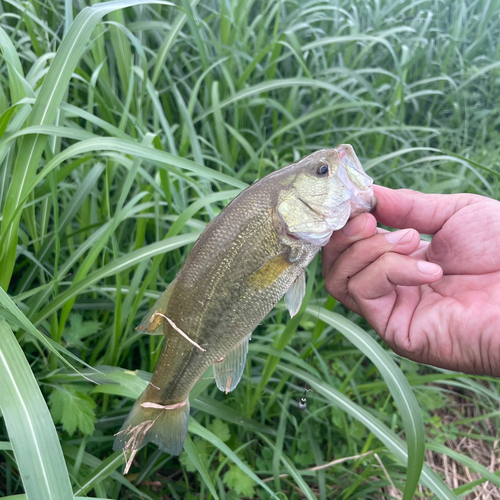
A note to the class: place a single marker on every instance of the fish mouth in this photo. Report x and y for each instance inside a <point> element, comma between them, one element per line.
<point>360,201</point>
<point>363,202</point>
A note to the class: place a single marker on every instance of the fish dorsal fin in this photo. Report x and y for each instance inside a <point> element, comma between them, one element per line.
<point>228,371</point>
<point>152,324</point>
<point>295,294</point>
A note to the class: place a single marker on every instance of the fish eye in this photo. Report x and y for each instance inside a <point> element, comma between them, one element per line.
<point>322,169</point>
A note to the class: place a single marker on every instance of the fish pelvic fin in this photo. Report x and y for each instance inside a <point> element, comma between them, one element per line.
<point>164,425</point>
<point>228,371</point>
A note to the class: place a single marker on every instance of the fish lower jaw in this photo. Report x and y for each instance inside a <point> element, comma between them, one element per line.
<point>365,204</point>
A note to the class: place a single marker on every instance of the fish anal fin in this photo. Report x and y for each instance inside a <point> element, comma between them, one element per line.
<point>228,371</point>
<point>295,294</point>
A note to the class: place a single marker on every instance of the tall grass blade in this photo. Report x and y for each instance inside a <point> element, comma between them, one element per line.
<point>193,454</point>
<point>197,429</point>
<point>44,113</point>
<point>394,443</point>
<point>30,426</point>
<point>115,267</point>
<point>17,315</point>
<point>398,385</point>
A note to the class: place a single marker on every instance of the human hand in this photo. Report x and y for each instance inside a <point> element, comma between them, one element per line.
<point>436,303</point>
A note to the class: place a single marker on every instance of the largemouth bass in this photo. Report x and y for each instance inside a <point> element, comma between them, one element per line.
<point>248,257</point>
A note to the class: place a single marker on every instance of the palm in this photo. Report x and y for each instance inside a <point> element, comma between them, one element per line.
<point>453,320</point>
<point>447,317</point>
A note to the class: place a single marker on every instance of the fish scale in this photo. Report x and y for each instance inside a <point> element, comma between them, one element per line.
<point>248,257</point>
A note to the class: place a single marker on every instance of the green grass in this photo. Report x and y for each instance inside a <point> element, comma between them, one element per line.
<point>125,128</point>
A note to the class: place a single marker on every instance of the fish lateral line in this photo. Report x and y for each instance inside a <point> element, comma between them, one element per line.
<point>177,329</point>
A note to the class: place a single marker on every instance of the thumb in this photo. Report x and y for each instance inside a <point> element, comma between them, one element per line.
<point>426,213</point>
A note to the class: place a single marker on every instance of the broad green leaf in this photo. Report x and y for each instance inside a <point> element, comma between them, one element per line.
<point>74,409</point>
<point>239,482</point>
<point>79,330</point>
<point>220,429</point>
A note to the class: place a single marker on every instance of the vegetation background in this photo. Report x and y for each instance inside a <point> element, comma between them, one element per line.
<point>125,128</point>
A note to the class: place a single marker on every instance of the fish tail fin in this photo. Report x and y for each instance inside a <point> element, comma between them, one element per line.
<point>164,425</point>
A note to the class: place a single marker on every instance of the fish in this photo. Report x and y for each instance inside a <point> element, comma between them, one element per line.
<point>248,257</point>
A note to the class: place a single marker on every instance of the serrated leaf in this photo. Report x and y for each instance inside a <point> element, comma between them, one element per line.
<point>240,482</point>
<point>201,448</point>
<point>78,330</point>
<point>220,429</point>
<point>73,409</point>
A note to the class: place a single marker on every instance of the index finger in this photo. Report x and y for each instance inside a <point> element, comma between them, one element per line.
<point>426,213</point>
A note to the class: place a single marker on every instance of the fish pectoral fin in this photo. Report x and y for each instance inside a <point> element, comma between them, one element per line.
<point>152,323</point>
<point>295,294</point>
<point>228,371</point>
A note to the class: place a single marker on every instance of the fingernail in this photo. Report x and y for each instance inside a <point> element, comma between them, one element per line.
<point>355,226</point>
<point>429,268</point>
<point>403,236</point>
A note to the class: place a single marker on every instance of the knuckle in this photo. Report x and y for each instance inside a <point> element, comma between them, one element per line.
<point>335,290</point>
<point>337,287</point>
<point>388,260</point>
<point>354,286</point>
<point>331,287</point>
